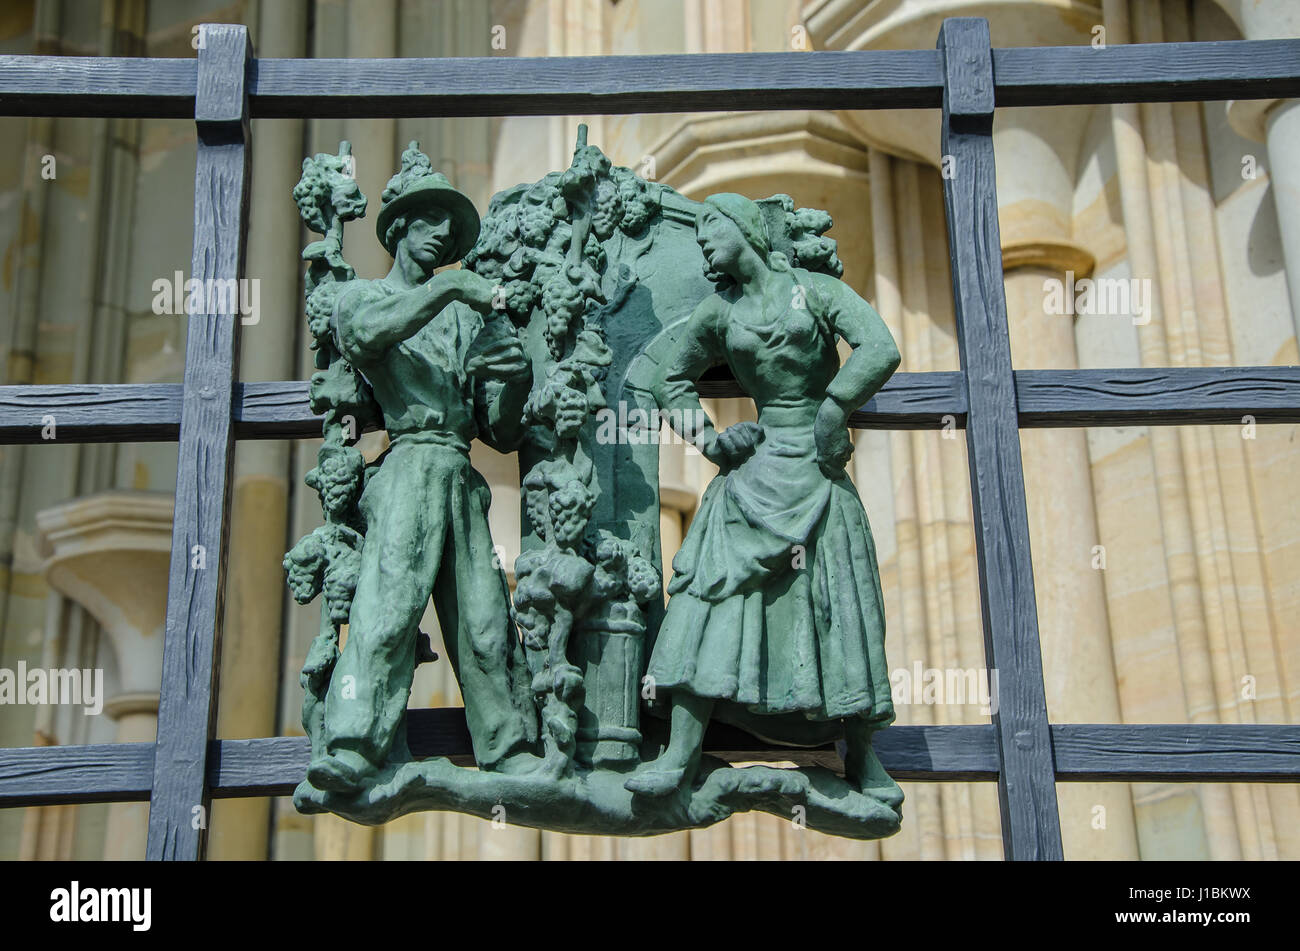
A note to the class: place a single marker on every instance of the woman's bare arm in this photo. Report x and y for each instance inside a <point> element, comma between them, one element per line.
<point>696,349</point>
<point>875,356</point>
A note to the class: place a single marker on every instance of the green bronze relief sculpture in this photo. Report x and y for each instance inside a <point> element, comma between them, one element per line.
<point>587,307</point>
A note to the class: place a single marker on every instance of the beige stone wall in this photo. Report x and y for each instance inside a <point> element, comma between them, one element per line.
<point>1191,619</point>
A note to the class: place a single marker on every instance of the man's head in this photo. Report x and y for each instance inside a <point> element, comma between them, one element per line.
<point>421,209</point>
<point>426,237</point>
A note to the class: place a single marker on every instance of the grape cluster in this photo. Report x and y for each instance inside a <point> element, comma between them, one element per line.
<point>536,504</point>
<point>327,191</point>
<point>536,222</point>
<point>303,566</point>
<point>570,508</point>
<point>341,582</point>
<point>563,302</point>
<point>320,308</point>
<point>521,297</point>
<point>570,412</point>
<point>607,212</point>
<point>620,571</point>
<point>499,257</point>
<point>642,579</point>
<point>814,253</point>
<point>496,244</point>
<point>492,269</point>
<point>337,479</point>
<point>310,194</point>
<point>811,251</point>
<point>638,204</point>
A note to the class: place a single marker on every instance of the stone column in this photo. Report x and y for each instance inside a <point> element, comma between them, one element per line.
<point>1150,630</point>
<point>110,554</point>
<point>1068,579</point>
<point>1036,151</point>
<point>717,26</point>
<point>1221,501</point>
<point>938,617</point>
<point>69,327</point>
<point>1234,535</point>
<point>1283,135</point>
<point>1277,123</point>
<point>899,555</point>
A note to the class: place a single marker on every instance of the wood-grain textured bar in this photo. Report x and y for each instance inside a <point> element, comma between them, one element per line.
<point>586,85</point>
<point>1147,72</point>
<point>98,772</point>
<point>1157,396</point>
<point>179,804</point>
<point>90,412</point>
<point>613,85</point>
<point>273,766</point>
<point>1030,823</point>
<point>1196,753</point>
<point>1144,396</point>
<point>97,86</point>
<point>150,412</point>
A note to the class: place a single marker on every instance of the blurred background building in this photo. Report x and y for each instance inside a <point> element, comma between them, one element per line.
<point>1167,559</point>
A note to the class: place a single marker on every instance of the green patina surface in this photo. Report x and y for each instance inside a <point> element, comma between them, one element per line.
<point>588,306</point>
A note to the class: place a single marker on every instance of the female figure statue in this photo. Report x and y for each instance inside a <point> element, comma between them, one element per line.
<point>775,620</point>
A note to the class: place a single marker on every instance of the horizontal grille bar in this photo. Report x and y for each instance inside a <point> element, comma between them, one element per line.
<point>616,85</point>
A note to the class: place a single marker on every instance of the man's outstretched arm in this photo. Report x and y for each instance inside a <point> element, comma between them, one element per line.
<point>370,325</point>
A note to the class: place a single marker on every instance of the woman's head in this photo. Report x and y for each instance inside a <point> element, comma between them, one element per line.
<point>729,228</point>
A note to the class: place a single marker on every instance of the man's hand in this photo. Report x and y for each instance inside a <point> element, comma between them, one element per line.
<point>462,285</point>
<point>500,359</point>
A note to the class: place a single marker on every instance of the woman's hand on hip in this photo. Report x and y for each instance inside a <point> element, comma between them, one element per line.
<point>731,447</point>
<point>831,435</point>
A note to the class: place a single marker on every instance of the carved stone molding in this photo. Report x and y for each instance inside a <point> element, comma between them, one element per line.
<point>1049,255</point>
<point>1249,117</point>
<point>705,154</point>
<point>914,24</point>
<point>109,552</point>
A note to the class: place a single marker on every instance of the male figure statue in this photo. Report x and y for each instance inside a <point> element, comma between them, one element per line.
<point>410,335</point>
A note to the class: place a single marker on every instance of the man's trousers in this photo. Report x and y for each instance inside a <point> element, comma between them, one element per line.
<point>427,534</point>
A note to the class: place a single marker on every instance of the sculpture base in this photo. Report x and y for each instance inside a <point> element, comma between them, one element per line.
<point>595,801</point>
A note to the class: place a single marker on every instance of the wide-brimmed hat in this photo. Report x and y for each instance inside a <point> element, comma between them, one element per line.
<point>417,187</point>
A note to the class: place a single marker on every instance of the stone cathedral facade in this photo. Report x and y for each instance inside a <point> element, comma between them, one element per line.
<point>1166,559</point>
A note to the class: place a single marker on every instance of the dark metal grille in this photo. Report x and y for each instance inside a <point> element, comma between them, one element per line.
<point>1021,750</point>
